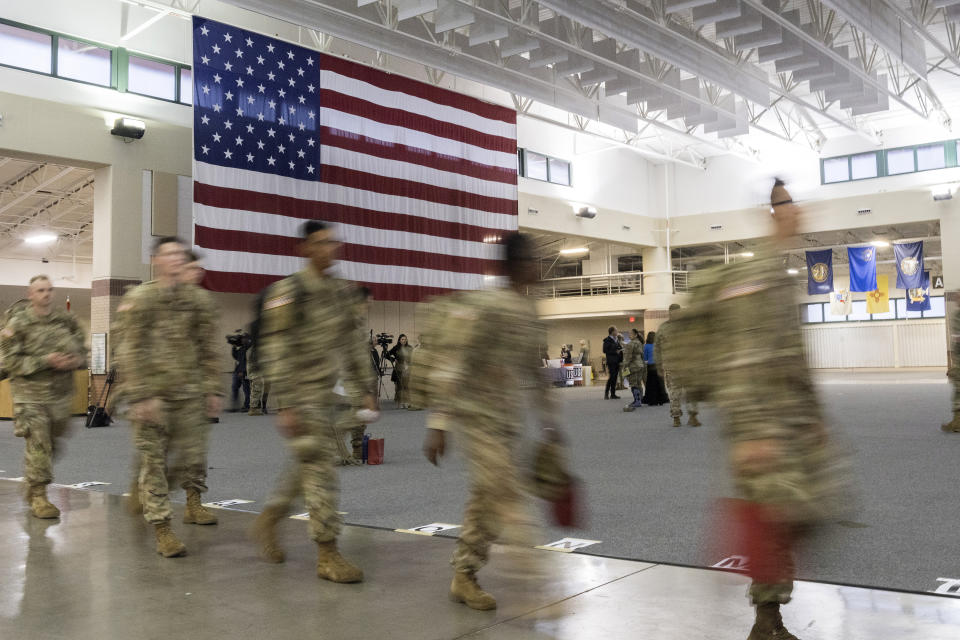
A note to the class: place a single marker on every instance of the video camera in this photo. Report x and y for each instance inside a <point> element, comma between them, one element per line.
<point>239,338</point>
<point>383,339</point>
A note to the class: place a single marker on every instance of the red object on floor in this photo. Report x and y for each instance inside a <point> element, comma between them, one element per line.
<point>566,509</point>
<point>375,451</point>
<point>752,541</point>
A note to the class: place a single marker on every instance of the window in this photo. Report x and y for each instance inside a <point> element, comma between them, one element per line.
<point>829,317</point>
<point>186,86</point>
<point>155,79</point>
<point>536,166</point>
<point>902,312</point>
<point>629,263</point>
<point>863,166</point>
<point>889,315</point>
<point>813,313</point>
<point>836,170</point>
<point>859,311</point>
<point>937,308</point>
<point>932,156</point>
<point>559,171</point>
<point>25,49</point>
<point>85,62</point>
<point>900,161</point>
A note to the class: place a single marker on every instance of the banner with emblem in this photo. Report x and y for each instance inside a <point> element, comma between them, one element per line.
<point>841,302</point>
<point>863,268</point>
<point>909,257</point>
<point>819,272</point>
<point>918,298</point>
<point>878,300</point>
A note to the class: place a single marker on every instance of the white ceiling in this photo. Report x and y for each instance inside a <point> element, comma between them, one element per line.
<point>43,196</point>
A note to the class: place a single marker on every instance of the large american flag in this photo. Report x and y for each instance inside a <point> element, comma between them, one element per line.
<point>419,181</point>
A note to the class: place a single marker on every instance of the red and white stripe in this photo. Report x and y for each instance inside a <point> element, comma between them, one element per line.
<point>418,181</point>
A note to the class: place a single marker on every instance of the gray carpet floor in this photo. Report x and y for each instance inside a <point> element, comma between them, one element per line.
<point>650,490</point>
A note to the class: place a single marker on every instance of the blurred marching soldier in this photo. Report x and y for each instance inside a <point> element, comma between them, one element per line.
<point>309,338</point>
<point>953,373</point>
<point>675,389</point>
<point>491,416</point>
<point>168,357</point>
<point>40,348</point>
<point>779,450</point>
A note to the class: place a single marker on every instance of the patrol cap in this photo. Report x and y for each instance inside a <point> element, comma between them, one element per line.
<point>779,195</point>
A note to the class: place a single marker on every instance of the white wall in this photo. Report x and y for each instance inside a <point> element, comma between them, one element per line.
<point>65,275</point>
<point>907,343</point>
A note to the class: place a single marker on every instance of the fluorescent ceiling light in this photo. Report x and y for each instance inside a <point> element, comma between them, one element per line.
<point>793,272</point>
<point>747,254</point>
<point>880,243</point>
<point>40,238</point>
<point>570,252</point>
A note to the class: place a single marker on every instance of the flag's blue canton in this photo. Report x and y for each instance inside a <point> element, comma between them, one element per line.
<point>256,102</point>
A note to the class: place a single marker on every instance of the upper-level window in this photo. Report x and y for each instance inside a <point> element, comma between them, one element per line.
<point>151,78</point>
<point>82,61</point>
<point>818,312</point>
<point>901,161</point>
<point>931,156</point>
<point>890,162</point>
<point>25,49</point>
<point>836,170</point>
<point>538,166</point>
<point>863,165</point>
<point>186,86</point>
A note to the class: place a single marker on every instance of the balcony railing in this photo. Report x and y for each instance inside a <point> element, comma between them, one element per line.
<point>606,284</point>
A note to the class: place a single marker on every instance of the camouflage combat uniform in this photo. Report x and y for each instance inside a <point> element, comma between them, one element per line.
<point>633,361</point>
<point>478,389</point>
<point>759,379</point>
<point>257,385</point>
<point>677,392</point>
<point>169,352</point>
<point>307,343</point>
<point>41,395</point>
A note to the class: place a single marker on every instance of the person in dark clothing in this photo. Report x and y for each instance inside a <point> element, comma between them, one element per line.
<point>656,393</point>
<point>240,380</point>
<point>613,351</point>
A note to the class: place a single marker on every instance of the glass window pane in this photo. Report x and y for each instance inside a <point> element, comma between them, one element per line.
<point>859,311</point>
<point>82,61</point>
<point>186,86</point>
<point>813,313</point>
<point>829,317</point>
<point>559,171</point>
<point>902,310</point>
<point>836,170</point>
<point>931,157</point>
<point>900,161</point>
<point>152,78</point>
<point>536,165</point>
<point>863,166</point>
<point>24,49</point>
<point>937,308</point>
<point>890,315</point>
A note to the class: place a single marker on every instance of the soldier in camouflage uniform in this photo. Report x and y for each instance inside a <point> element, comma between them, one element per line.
<point>677,392</point>
<point>168,357</point>
<point>953,372</point>
<point>633,359</point>
<point>41,348</point>
<point>490,418</point>
<point>309,338</point>
<point>759,379</point>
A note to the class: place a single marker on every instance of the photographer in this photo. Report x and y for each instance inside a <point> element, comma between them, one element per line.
<point>401,356</point>
<point>239,342</point>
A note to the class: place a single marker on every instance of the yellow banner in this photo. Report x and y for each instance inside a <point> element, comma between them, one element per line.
<point>879,301</point>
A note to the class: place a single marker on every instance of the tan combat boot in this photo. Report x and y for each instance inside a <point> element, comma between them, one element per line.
<point>692,421</point>
<point>953,425</point>
<point>134,504</point>
<point>264,533</point>
<point>769,625</point>
<point>168,545</point>
<point>465,589</point>
<point>676,421</point>
<point>333,567</point>
<point>40,507</point>
<point>255,411</point>
<point>196,513</point>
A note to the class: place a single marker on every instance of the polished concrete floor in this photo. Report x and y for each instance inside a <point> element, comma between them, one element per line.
<point>93,574</point>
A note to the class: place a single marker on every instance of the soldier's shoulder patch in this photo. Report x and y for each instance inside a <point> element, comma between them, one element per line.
<point>6,333</point>
<point>742,289</point>
<point>124,306</point>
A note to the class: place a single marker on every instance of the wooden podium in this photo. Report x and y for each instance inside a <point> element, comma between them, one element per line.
<point>78,406</point>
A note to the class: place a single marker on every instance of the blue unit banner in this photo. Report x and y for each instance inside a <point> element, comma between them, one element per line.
<point>909,257</point>
<point>819,272</point>
<point>918,298</point>
<point>863,268</point>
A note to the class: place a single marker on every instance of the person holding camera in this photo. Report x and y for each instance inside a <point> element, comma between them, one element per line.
<point>239,342</point>
<point>310,338</point>
<point>402,357</point>
<point>169,359</point>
